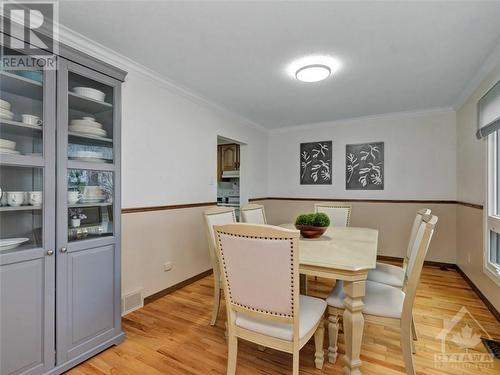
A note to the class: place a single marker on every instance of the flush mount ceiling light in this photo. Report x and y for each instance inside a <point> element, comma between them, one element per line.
<point>313,73</point>
<point>313,68</point>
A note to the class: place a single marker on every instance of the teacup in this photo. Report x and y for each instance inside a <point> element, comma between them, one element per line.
<point>35,198</point>
<point>73,197</point>
<point>3,199</point>
<point>31,119</point>
<point>15,198</point>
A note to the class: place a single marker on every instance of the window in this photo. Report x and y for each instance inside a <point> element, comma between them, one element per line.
<point>492,235</point>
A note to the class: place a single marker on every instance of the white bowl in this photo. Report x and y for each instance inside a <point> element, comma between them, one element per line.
<point>6,144</point>
<point>89,92</point>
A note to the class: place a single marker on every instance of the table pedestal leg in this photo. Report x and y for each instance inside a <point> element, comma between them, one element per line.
<point>303,284</point>
<point>353,326</point>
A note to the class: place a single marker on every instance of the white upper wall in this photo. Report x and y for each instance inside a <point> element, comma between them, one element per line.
<point>170,147</point>
<point>420,156</point>
<point>169,138</point>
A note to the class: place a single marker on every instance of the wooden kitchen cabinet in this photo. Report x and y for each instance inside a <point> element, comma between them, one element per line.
<point>228,158</point>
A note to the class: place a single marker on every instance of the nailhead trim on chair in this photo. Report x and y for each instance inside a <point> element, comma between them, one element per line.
<point>227,277</point>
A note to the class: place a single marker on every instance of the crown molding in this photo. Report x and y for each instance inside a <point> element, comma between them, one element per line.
<point>391,115</point>
<point>82,43</point>
<point>489,64</point>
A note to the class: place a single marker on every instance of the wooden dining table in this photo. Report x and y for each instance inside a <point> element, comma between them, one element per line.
<point>343,253</point>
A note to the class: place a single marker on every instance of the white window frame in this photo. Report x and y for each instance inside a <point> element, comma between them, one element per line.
<point>491,218</point>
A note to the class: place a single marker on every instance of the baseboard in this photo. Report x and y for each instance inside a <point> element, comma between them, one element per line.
<point>177,286</point>
<point>483,298</point>
<point>430,263</point>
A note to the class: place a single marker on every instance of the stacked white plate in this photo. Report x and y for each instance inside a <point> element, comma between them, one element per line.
<point>8,147</point>
<point>87,126</point>
<point>89,156</point>
<point>11,243</point>
<point>92,194</point>
<point>5,112</point>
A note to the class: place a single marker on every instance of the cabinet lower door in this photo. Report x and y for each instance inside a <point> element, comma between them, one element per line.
<point>27,313</point>
<point>87,292</point>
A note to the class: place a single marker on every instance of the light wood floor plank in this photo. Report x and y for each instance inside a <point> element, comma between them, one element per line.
<point>173,336</point>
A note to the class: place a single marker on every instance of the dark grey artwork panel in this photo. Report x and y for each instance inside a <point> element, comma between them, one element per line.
<point>364,169</point>
<point>316,163</point>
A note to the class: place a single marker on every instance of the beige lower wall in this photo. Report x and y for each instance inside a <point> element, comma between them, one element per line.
<point>393,220</point>
<point>177,235</point>
<point>470,252</point>
<point>152,238</point>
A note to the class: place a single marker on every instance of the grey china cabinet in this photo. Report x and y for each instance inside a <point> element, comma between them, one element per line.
<point>59,214</point>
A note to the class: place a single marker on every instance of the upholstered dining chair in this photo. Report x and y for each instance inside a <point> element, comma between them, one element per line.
<point>253,214</point>
<point>385,304</point>
<point>339,214</point>
<point>216,216</point>
<point>394,275</point>
<point>261,288</point>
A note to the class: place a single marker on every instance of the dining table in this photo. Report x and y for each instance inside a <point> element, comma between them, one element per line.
<point>347,254</point>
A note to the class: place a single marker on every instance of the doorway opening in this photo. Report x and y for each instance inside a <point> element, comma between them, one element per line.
<point>229,168</point>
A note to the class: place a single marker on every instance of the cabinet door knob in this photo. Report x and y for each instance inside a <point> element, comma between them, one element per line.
<point>50,252</point>
<point>63,249</point>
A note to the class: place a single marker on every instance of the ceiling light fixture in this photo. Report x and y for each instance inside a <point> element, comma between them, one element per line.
<point>313,68</point>
<point>313,73</point>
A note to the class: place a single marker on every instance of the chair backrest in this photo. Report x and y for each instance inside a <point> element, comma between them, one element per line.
<point>253,214</point>
<point>339,214</point>
<point>412,274</point>
<point>260,270</point>
<point>216,216</point>
<point>414,229</point>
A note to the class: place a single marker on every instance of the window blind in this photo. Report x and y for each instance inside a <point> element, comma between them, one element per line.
<point>488,111</point>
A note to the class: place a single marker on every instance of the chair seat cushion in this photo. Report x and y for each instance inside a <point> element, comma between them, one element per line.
<point>387,274</point>
<point>311,311</point>
<point>380,299</point>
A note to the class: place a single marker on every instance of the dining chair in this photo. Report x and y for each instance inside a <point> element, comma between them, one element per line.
<point>394,275</point>
<point>216,216</point>
<point>385,304</point>
<point>253,214</point>
<point>260,265</point>
<point>339,214</point>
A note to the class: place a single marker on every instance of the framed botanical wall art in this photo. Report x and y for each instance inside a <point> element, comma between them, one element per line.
<point>316,163</point>
<point>364,169</point>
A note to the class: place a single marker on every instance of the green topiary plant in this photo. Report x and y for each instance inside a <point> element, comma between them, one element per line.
<point>313,220</point>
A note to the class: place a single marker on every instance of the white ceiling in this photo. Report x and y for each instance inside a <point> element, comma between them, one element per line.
<point>397,56</point>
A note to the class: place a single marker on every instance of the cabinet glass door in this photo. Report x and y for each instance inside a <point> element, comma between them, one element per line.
<point>87,136</point>
<point>88,212</point>
<point>27,220</point>
<point>90,204</point>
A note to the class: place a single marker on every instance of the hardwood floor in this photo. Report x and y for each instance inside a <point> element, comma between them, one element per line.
<point>172,336</point>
